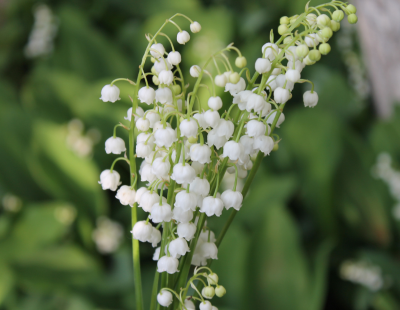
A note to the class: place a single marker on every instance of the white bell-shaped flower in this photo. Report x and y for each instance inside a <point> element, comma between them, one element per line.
<point>281,95</point>
<point>189,305</point>
<point>143,150</point>
<point>200,187</point>
<point>207,236</point>
<point>164,95</point>
<point>270,51</point>
<point>195,71</point>
<point>161,167</point>
<point>271,118</point>
<point>209,250</point>
<point>236,88</point>
<point>165,137</point>
<point>212,206</point>
<point>255,128</point>
<point>148,199</point>
<point>142,231</point>
<point>156,254</point>
<point>166,77</point>
<point>242,98</point>
<point>147,95</point>
<point>298,65</point>
<point>220,80</point>
<point>264,143</point>
<point>291,54</point>
<point>211,118</point>
<point>145,137</point>
<point>146,173</point>
<point>162,64</point>
<point>139,194</point>
<point>157,50</point>
<point>311,40</point>
<point>186,230</point>
<point>282,81</point>
<point>165,298</point>
<point>183,37</point>
<point>233,150</point>
<point>310,99</point>
<point>115,145</point>
<point>200,153</point>
<point>186,201</point>
<point>205,305</point>
<point>195,27</point>
<point>271,82</point>
<point>262,65</point>
<point>126,195</point>
<point>161,212</point>
<point>153,118</point>
<point>225,128</point>
<point>214,139</point>
<point>160,125</point>
<point>232,199</point>
<point>293,75</point>
<point>200,118</point>
<point>143,124</point>
<point>266,110</point>
<point>198,167</point>
<point>178,247</point>
<point>109,180</point>
<point>256,103</point>
<point>182,216</point>
<point>168,264</point>
<point>215,103</point>
<point>247,143</point>
<point>183,173</point>
<point>155,237</point>
<point>188,128</point>
<point>174,58</point>
<point>110,93</point>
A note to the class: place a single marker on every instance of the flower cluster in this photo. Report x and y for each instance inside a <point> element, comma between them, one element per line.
<point>187,150</point>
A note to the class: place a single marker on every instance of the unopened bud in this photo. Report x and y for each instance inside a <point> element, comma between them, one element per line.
<point>176,89</point>
<point>220,291</point>
<point>314,55</point>
<point>335,26</point>
<point>234,78</point>
<point>352,18</point>
<point>326,33</point>
<point>208,292</point>
<point>287,40</point>
<point>351,9</point>
<point>192,139</point>
<point>275,148</point>
<point>293,18</point>
<point>153,70</point>
<point>308,61</point>
<point>212,278</point>
<point>284,20</point>
<point>282,29</point>
<point>152,59</point>
<point>302,51</point>
<point>155,80</point>
<point>323,21</point>
<point>338,15</point>
<point>241,62</point>
<point>325,48</point>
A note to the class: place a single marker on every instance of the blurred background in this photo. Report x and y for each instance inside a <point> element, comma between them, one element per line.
<point>320,226</point>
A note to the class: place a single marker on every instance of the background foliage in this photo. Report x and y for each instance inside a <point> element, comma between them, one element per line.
<point>317,230</point>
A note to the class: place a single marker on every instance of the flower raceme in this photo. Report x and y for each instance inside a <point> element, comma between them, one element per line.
<point>186,151</point>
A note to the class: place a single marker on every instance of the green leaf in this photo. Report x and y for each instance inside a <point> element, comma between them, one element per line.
<point>6,281</point>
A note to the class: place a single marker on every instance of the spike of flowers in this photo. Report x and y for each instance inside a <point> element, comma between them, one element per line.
<point>187,152</point>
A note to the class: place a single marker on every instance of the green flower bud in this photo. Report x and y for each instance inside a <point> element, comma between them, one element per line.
<point>155,80</point>
<point>282,29</point>
<point>152,59</point>
<point>208,292</point>
<point>153,70</point>
<point>284,20</point>
<point>241,62</point>
<point>351,9</point>
<point>323,21</point>
<point>326,33</point>
<point>176,89</point>
<point>335,26</point>
<point>325,48</point>
<point>302,51</point>
<point>274,149</point>
<point>308,61</point>
<point>220,291</point>
<point>287,40</point>
<point>234,77</point>
<point>293,18</point>
<point>212,279</point>
<point>352,18</point>
<point>192,139</point>
<point>314,55</point>
<point>338,15</point>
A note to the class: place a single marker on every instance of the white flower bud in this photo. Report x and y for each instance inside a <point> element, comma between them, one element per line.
<point>225,128</point>
<point>166,77</point>
<point>188,128</point>
<point>247,143</point>
<point>302,51</point>
<point>186,230</point>
<point>211,118</point>
<point>146,95</point>
<point>110,93</point>
<point>115,145</point>
<point>220,80</point>
<point>215,103</point>
<point>292,75</point>
<point>183,37</point>
<point>209,250</point>
<point>165,137</point>
<point>212,206</point>
<point>146,173</point>
<point>235,88</point>
<point>143,124</point>
<point>205,305</point>
<point>208,292</point>
<point>255,128</point>
<point>162,64</point>
<point>200,153</point>
<point>109,180</point>
<point>220,291</point>
<point>290,53</point>
<point>142,231</point>
<point>271,118</point>
<point>126,195</point>
<point>148,199</point>
<point>164,298</point>
<point>264,143</point>
<point>256,103</point>
<point>323,20</point>
<point>195,71</point>
<point>178,247</point>
<point>156,254</point>
<point>139,193</point>
<point>212,278</point>
<point>174,58</point>
<point>310,99</point>
<point>233,150</point>
<point>186,201</point>
<point>281,81</point>
<point>157,50</point>
<point>195,27</point>
<point>161,213</point>
<point>241,99</point>
<point>311,19</point>
<point>200,118</point>
<point>214,139</point>
<point>168,264</point>
<point>311,40</point>
<point>200,187</point>
<point>189,305</point>
<point>262,65</point>
<point>207,236</point>
<point>232,199</point>
<point>161,167</point>
<point>281,95</point>
<point>155,237</point>
<point>182,216</point>
<point>183,174</point>
<point>164,95</point>
<point>270,50</point>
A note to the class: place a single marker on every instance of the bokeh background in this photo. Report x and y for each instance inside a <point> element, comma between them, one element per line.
<point>318,230</point>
